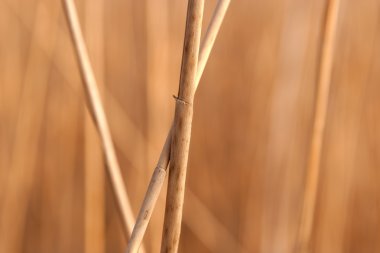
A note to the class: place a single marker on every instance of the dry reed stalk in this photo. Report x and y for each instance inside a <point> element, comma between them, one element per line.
<point>314,159</point>
<point>181,129</point>
<point>160,171</point>
<point>151,197</point>
<point>128,126</point>
<point>194,208</point>
<point>96,108</point>
<point>210,37</point>
<point>94,209</point>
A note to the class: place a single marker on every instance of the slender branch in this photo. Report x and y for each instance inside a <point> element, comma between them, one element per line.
<point>314,160</point>
<point>159,173</point>
<point>181,129</point>
<point>99,117</point>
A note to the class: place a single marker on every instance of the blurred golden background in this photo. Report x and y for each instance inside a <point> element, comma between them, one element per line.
<point>251,129</point>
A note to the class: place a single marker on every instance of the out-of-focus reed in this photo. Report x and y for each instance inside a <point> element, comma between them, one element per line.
<point>251,129</point>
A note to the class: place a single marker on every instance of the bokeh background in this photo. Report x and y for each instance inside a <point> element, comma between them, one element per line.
<point>251,129</point>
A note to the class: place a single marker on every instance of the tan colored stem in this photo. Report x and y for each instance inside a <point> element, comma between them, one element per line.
<point>154,189</point>
<point>212,223</point>
<point>314,160</point>
<point>156,183</point>
<point>181,130</point>
<point>99,117</point>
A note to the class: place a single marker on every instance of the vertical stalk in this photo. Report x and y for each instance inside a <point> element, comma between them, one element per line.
<point>160,171</point>
<point>314,160</point>
<point>182,128</point>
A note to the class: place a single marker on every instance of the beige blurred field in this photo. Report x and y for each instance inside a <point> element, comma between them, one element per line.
<point>251,130</point>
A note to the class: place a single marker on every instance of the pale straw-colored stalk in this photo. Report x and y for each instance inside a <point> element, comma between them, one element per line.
<point>129,126</point>
<point>160,171</point>
<point>96,108</point>
<point>322,99</point>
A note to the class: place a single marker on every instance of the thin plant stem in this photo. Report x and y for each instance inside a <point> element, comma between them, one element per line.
<point>210,37</point>
<point>322,99</point>
<point>181,129</point>
<point>160,171</point>
<point>128,126</point>
<point>194,207</point>
<point>96,108</point>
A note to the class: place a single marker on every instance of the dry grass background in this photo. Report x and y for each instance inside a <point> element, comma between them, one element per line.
<point>251,129</point>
